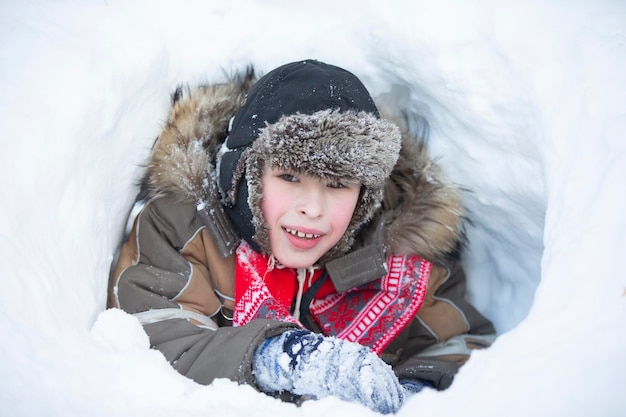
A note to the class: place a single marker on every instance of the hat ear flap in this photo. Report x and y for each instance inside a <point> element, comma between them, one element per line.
<point>259,234</point>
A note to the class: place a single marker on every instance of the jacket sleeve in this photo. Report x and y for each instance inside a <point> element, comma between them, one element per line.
<point>169,275</point>
<point>154,268</point>
<point>204,355</point>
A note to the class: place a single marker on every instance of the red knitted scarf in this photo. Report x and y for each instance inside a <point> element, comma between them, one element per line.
<point>372,314</point>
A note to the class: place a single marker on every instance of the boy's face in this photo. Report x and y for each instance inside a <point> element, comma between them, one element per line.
<point>306,216</point>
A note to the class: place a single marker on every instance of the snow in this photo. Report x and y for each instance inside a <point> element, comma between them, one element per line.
<point>526,107</point>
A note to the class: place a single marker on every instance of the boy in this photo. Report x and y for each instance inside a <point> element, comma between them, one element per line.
<point>305,247</point>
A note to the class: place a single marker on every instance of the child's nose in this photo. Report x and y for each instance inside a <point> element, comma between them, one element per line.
<point>312,202</point>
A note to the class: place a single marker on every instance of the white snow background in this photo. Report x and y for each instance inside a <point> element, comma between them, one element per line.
<point>526,106</point>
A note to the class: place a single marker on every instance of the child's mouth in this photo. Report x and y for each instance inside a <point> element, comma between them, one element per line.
<point>301,235</point>
<point>302,240</point>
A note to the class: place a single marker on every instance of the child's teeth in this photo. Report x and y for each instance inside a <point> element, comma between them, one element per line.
<point>301,234</point>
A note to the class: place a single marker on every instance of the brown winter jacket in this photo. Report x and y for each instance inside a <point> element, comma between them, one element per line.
<point>175,271</point>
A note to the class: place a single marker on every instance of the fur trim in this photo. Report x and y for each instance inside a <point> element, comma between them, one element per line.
<point>183,159</point>
<point>423,211</point>
<point>328,144</point>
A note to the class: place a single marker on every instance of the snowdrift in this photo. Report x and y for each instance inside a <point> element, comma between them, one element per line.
<point>525,106</point>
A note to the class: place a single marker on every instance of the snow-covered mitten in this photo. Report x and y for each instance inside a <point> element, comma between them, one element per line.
<point>306,363</point>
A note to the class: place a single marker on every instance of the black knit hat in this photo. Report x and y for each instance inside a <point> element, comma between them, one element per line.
<point>311,118</point>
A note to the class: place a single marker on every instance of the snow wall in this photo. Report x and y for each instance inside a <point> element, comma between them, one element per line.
<point>525,105</point>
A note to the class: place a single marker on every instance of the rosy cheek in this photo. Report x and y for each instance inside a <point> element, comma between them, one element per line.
<point>345,212</point>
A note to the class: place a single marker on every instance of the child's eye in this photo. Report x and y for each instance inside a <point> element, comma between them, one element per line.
<point>336,184</point>
<point>288,177</point>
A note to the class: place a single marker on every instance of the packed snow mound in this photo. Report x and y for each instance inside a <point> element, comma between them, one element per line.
<point>524,105</point>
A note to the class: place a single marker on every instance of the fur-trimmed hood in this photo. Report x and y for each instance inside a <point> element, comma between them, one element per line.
<point>421,211</point>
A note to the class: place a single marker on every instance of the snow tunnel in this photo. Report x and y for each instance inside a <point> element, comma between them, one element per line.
<point>524,107</point>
